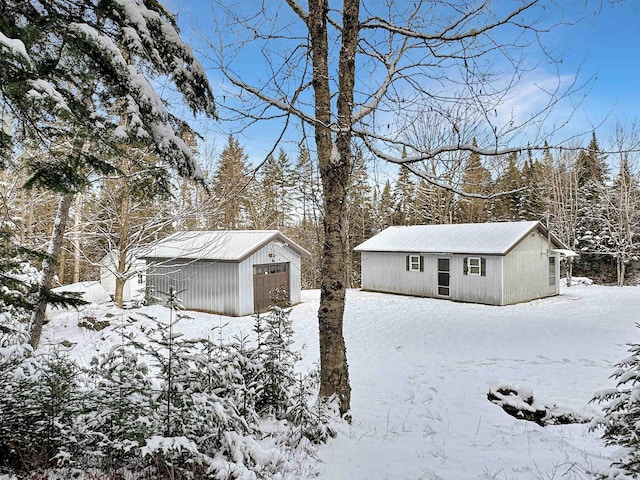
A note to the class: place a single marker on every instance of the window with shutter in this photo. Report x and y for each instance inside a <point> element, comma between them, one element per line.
<point>474,266</point>
<point>415,263</point>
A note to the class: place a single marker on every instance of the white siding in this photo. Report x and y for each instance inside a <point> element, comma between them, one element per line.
<point>387,272</point>
<point>477,289</point>
<point>526,270</point>
<point>201,285</point>
<point>280,254</point>
<point>132,289</point>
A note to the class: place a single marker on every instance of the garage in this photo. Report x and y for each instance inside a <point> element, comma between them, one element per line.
<point>267,279</point>
<point>233,273</point>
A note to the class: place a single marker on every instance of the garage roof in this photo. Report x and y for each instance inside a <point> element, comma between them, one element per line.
<point>486,238</point>
<point>222,245</point>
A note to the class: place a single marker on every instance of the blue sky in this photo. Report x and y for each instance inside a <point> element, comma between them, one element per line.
<point>604,46</point>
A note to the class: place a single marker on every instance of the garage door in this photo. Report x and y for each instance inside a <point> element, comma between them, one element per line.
<point>266,279</point>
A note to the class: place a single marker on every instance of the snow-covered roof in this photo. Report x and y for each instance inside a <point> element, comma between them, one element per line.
<point>486,238</point>
<point>223,245</point>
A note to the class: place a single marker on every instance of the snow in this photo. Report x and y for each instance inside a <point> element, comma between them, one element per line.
<point>92,292</point>
<point>420,371</point>
<point>16,48</point>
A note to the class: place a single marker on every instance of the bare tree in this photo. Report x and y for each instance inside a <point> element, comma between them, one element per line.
<point>362,71</point>
<point>619,212</point>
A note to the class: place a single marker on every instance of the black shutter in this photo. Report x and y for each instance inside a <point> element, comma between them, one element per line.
<point>483,267</point>
<point>421,263</point>
<point>465,269</point>
<point>408,263</point>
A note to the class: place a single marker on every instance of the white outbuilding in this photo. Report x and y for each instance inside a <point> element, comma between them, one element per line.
<point>491,263</point>
<point>134,286</point>
<point>232,273</point>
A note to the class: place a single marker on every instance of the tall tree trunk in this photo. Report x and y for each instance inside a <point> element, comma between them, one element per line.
<point>334,162</point>
<point>123,247</point>
<point>49,266</point>
<point>76,239</point>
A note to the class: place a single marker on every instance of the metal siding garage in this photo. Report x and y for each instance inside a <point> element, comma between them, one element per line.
<point>217,270</point>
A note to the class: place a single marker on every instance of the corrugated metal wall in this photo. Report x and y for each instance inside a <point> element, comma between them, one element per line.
<point>526,270</point>
<point>222,287</point>
<point>387,272</point>
<point>202,285</point>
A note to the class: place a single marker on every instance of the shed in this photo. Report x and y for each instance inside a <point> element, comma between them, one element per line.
<point>491,263</point>
<point>134,286</point>
<point>233,273</point>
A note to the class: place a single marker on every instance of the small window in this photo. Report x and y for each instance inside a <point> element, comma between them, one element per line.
<point>140,279</point>
<point>474,266</point>
<point>414,262</point>
<point>552,271</point>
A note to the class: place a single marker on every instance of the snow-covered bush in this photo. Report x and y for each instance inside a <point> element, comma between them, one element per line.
<point>41,399</point>
<point>310,421</point>
<point>621,419</point>
<point>158,405</point>
<point>274,354</point>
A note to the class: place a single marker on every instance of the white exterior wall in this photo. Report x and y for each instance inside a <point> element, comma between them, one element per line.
<point>201,285</point>
<point>526,270</point>
<point>387,272</point>
<point>485,289</point>
<point>280,254</point>
<point>132,289</point>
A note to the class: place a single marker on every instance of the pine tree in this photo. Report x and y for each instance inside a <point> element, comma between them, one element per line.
<point>621,420</point>
<point>272,204</point>
<point>275,338</point>
<point>75,87</point>
<point>508,206</point>
<point>231,185</point>
<point>476,180</point>
<point>360,216</point>
<point>403,198</point>
<point>591,177</point>
<point>385,208</point>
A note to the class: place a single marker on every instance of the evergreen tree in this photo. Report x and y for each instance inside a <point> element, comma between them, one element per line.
<point>271,206</point>
<point>508,206</point>
<point>360,216</point>
<point>72,83</point>
<point>403,198</point>
<point>385,208</point>
<point>274,353</point>
<point>476,180</point>
<point>231,185</point>
<point>590,230</point>
<point>621,420</point>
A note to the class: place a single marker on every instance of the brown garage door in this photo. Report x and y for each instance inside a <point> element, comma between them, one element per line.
<point>266,279</point>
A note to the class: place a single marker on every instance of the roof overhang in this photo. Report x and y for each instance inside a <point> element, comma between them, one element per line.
<point>564,252</point>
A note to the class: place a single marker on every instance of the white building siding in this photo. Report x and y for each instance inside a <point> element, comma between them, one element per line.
<point>485,288</point>
<point>279,254</point>
<point>201,285</point>
<point>526,270</point>
<point>133,290</point>
<point>387,272</point>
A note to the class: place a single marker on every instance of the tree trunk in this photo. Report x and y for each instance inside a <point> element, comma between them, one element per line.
<point>121,279</point>
<point>76,239</point>
<point>334,162</point>
<point>620,271</point>
<point>49,266</point>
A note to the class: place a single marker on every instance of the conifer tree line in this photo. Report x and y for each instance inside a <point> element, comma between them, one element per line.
<point>588,198</point>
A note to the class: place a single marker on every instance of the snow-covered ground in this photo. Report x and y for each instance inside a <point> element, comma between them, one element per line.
<point>421,370</point>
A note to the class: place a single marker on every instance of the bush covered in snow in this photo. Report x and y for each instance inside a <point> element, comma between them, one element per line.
<point>621,419</point>
<point>162,406</point>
